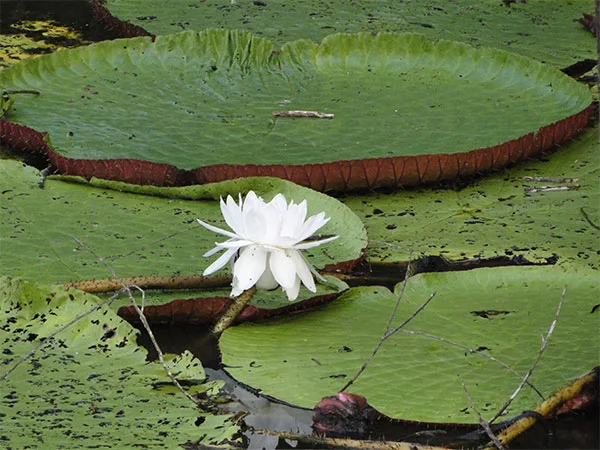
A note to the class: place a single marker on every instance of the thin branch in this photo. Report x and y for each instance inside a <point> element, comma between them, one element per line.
<point>389,332</point>
<point>549,406</point>
<point>47,339</point>
<point>537,359</point>
<point>472,351</point>
<point>20,91</point>
<point>127,288</point>
<point>551,180</point>
<point>412,316</point>
<point>407,275</point>
<point>315,441</point>
<point>151,282</point>
<point>311,114</point>
<point>484,424</point>
<point>586,217</point>
<point>534,190</point>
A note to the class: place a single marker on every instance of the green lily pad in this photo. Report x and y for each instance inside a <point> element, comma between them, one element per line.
<point>150,232</point>
<point>299,360</point>
<point>90,385</point>
<point>495,216</point>
<point>198,107</point>
<point>545,30</point>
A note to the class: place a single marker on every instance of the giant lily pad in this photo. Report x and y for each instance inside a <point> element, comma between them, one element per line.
<point>150,232</point>
<point>496,216</point>
<point>546,30</point>
<point>198,107</point>
<point>499,312</point>
<point>90,385</point>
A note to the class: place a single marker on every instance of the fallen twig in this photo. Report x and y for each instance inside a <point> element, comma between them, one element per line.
<point>537,359</point>
<point>535,190</point>
<point>127,288</point>
<point>548,407</point>
<point>588,219</point>
<point>389,332</point>
<point>551,180</point>
<point>20,91</point>
<point>43,175</point>
<point>484,423</point>
<point>314,441</point>
<point>47,339</point>
<point>472,351</point>
<point>298,113</point>
<point>151,282</point>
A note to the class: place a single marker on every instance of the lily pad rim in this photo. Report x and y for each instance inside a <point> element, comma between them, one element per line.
<point>340,175</point>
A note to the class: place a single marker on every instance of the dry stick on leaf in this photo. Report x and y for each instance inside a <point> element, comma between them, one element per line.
<point>388,332</point>
<point>48,338</point>
<point>484,423</point>
<point>127,288</point>
<point>314,441</point>
<point>472,351</point>
<point>586,217</point>
<point>551,180</point>
<point>297,113</point>
<point>535,190</point>
<point>537,359</point>
<point>151,282</point>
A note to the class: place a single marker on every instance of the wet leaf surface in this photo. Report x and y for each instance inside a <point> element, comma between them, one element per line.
<point>91,382</point>
<point>214,94</point>
<point>153,231</point>
<point>412,372</point>
<point>548,31</point>
<point>495,216</point>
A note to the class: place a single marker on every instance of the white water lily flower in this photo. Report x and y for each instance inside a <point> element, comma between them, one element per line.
<point>266,242</point>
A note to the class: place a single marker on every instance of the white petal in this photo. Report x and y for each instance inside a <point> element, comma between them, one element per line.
<point>314,272</point>
<point>311,244</point>
<point>255,226</point>
<point>217,230</point>
<point>218,247</point>
<point>312,224</point>
<point>293,291</point>
<point>279,202</point>
<point>235,290</point>
<point>213,250</point>
<point>220,261</point>
<point>272,220</point>
<point>232,213</point>
<point>234,243</point>
<point>252,201</point>
<point>303,270</point>
<point>283,267</point>
<point>267,281</point>
<point>293,220</point>
<point>249,267</point>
